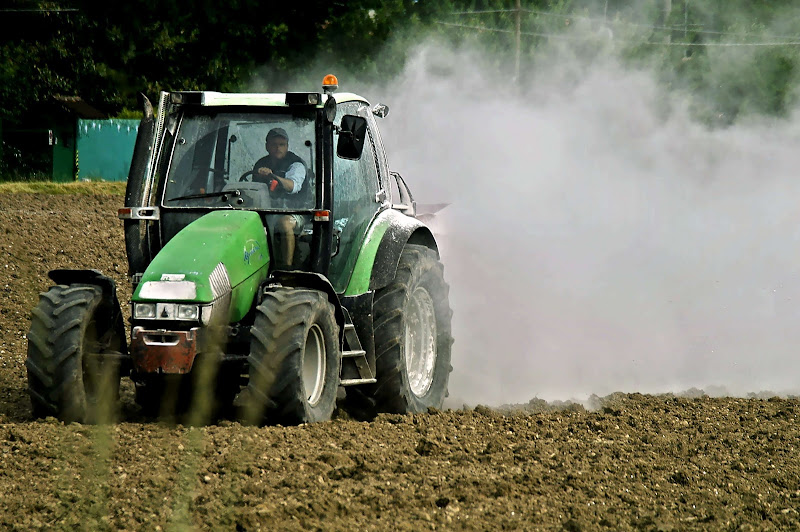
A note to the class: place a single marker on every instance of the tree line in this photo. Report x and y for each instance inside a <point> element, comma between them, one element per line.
<point>107,53</point>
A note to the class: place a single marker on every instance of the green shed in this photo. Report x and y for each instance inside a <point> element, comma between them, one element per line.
<point>104,148</point>
<point>63,136</point>
<point>92,146</point>
<point>69,139</point>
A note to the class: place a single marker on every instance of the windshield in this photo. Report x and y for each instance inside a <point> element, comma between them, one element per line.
<point>249,160</point>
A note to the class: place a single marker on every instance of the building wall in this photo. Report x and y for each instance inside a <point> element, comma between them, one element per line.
<point>105,148</point>
<point>63,162</point>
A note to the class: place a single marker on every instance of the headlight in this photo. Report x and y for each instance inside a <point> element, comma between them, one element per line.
<point>188,312</point>
<point>144,310</point>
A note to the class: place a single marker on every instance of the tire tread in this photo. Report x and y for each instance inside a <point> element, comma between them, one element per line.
<point>391,392</point>
<point>275,391</point>
<point>54,366</point>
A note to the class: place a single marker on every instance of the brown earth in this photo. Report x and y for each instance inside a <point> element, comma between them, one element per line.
<point>630,462</point>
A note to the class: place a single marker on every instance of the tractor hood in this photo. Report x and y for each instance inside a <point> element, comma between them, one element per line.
<point>221,256</point>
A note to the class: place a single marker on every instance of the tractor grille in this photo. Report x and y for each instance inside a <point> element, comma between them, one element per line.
<point>220,283</point>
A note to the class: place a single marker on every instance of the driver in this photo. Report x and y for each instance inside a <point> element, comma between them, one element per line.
<point>285,173</point>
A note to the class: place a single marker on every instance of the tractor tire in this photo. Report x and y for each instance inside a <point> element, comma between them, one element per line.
<point>294,359</point>
<point>413,337</point>
<point>68,325</point>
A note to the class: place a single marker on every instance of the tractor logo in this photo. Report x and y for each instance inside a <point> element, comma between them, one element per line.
<point>250,249</point>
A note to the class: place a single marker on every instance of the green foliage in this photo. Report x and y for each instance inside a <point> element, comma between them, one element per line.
<point>724,76</point>
<point>18,166</point>
<point>130,114</point>
<point>107,53</point>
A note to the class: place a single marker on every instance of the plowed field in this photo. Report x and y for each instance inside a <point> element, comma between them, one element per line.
<point>622,462</point>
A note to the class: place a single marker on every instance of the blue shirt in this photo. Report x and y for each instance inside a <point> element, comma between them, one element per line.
<point>297,173</point>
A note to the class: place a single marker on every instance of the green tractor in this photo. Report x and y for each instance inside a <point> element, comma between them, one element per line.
<point>276,263</point>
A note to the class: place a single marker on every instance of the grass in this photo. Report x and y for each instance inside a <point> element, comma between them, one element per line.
<point>116,188</point>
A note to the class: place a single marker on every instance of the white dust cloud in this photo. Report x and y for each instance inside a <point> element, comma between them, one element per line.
<point>599,240</point>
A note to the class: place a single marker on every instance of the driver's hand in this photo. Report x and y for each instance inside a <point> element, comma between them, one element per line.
<point>264,171</point>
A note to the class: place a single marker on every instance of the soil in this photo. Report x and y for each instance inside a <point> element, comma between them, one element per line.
<point>623,462</point>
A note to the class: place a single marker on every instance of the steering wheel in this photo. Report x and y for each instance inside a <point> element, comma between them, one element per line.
<point>244,175</point>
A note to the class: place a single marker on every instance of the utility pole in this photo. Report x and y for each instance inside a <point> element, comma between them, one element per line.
<point>517,35</point>
<point>685,19</point>
<point>667,12</point>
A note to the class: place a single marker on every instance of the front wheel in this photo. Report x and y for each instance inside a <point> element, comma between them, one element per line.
<point>68,377</point>
<point>294,359</point>
<point>412,336</point>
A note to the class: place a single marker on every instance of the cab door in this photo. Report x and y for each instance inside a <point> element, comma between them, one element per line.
<point>356,199</point>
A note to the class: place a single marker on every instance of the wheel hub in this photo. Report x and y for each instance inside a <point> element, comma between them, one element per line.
<point>420,341</point>
<point>314,365</point>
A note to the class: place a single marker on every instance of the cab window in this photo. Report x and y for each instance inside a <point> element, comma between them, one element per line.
<point>218,151</point>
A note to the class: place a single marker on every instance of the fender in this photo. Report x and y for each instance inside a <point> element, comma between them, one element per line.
<point>315,281</point>
<point>380,253</point>
<point>109,288</point>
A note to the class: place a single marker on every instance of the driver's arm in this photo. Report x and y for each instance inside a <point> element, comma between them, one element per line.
<point>295,176</point>
<point>293,181</point>
<point>268,176</point>
<point>261,171</point>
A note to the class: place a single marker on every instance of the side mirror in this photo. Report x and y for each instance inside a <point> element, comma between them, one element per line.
<point>352,133</point>
<point>381,110</point>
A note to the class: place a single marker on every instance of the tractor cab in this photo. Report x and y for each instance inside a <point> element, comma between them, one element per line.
<point>272,154</point>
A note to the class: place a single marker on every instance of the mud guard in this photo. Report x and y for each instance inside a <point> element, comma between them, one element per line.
<point>315,281</point>
<point>109,287</point>
<point>402,230</point>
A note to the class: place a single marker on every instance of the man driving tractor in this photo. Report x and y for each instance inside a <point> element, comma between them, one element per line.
<point>285,173</point>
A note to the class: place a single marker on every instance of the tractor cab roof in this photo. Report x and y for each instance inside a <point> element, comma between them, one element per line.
<point>288,99</point>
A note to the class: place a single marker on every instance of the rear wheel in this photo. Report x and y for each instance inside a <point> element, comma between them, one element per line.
<point>71,328</point>
<point>412,336</point>
<point>294,359</point>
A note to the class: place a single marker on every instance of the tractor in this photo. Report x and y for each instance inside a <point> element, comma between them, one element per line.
<point>278,271</point>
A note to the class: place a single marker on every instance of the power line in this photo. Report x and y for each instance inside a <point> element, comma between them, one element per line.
<point>500,30</point>
<point>653,43</point>
<point>483,12</point>
<point>719,44</point>
<point>57,10</point>
<point>624,23</point>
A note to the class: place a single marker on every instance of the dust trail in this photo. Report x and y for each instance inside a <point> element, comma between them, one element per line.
<point>598,238</point>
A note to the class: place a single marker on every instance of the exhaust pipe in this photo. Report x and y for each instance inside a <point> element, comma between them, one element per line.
<point>138,256</point>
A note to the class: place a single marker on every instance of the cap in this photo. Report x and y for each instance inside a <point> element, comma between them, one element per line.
<point>277,132</point>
